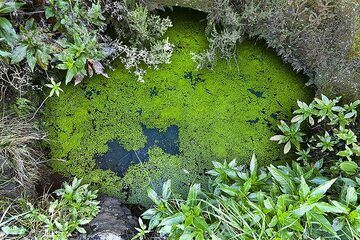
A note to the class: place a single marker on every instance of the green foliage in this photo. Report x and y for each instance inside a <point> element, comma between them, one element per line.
<point>225,30</point>
<point>59,218</point>
<point>146,28</point>
<point>7,32</point>
<point>55,88</point>
<point>292,135</point>
<point>71,36</point>
<point>332,135</point>
<point>283,202</point>
<point>143,32</point>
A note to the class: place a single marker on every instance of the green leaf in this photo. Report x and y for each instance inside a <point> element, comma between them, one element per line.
<point>200,223</point>
<point>49,12</point>
<point>286,183</point>
<point>321,190</point>
<point>70,74</point>
<point>340,206</point>
<point>287,147</point>
<point>322,222</point>
<point>153,196</point>
<point>193,194</point>
<point>18,54</point>
<point>303,189</point>
<point>7,31</point>
<point>172,220</point>
<point>277,137</point>
<point>9,6</point>
<point>349,167</point>
<point>4,54</point>
<point>81,230</point>
<point>253,165</point>
<point>31,60</point>
<point>328,208</point>
<point>166,190</point>
<point>351,195</point>
<point>13,230</point>
<point>290,221</point>
<point>303,209</point>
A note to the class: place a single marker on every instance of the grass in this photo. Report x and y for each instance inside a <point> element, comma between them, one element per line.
<point>19,154</point>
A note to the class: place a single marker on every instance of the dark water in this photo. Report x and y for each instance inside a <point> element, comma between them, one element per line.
<point>256,93</point>
<point>118,159</point>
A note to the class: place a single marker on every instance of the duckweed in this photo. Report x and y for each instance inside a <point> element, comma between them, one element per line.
<point>225,113</point>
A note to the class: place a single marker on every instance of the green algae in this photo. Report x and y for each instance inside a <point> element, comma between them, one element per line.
<point>225,113</point>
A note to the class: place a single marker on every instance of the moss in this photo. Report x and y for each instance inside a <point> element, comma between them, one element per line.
<point>355,51</point>
<point>222,114</point>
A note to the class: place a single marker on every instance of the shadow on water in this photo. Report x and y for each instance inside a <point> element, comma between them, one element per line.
<point>118,159</point>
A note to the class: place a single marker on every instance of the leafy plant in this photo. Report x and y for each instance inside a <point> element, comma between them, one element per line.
<point>55,88</point>
<point>332,129</point>
<point>74,207</point>
<point>282,202</point>
<point>291,135</point>
<point>7,31</point>
<point>143,32</point>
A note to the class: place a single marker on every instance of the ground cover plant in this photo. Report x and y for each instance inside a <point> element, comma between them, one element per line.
<point>207,106</point>
<point>333,133</point>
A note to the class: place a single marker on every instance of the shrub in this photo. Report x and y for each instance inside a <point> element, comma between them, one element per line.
<point>71,36</point>
<point>52,218</point>
<point>225,31</point>
<point>140,34</point>
<point>316,37</point>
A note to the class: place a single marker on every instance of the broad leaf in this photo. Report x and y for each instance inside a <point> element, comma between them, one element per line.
<point>18,54</point>
<point>321,190</point>
<point>286,183</point>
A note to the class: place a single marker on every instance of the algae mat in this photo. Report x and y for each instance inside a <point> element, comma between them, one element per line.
<point>225,113</point>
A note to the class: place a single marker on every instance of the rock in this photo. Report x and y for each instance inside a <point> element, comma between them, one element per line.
<point>114,222</point>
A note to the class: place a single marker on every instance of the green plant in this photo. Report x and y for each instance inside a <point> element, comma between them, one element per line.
<point>291,135</point>
<point>55,218</point>
<point>7,32</point>
<point>179,219</point>
<point>23,107</point>
<point>55,88</point>
<point>32,46</point>
<point>225,30</point>
<point>283,202</point>
<point>333,133</point>
<point>143,32</point>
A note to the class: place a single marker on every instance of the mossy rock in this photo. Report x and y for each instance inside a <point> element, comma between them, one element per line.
<point>225,113</point>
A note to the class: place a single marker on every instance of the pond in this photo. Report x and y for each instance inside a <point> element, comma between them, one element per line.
<point>123,136</point>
